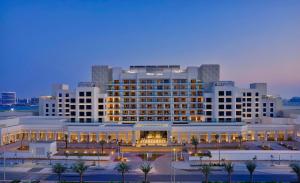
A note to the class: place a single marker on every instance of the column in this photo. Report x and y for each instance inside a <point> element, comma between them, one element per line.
<point>256,136</point>
<point>285,135</point>
<point>46,135</point>
<point>97,137</point>
<point>179,137</point>
<point>208,137</point>
<point>266,136</point>
<point>133,140</point>
<point>188,137</point>
<point>275,135</point>
<point>78,137</point>
<point>106,136</point>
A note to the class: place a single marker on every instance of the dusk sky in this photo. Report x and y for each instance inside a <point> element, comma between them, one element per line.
<point>46,42</point>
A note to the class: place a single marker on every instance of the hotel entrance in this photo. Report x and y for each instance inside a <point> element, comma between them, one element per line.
<point>153,138</point>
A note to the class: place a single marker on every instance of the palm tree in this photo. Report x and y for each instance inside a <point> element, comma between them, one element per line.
<point>146,168</point>
<point>205,169</point>
<point>122,168</point>
<point>240,138</point>
<point>229,169</point>
<point>195,142</point>
<point>296,168</point>
<point>102,142</point>
<point>66,140</point>
<point>80,168</point>
<point>251,165</point>
<point>217,136</point>
<point>59,169</point>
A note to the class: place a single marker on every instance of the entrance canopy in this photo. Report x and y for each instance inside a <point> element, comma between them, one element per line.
<point>153,126</point>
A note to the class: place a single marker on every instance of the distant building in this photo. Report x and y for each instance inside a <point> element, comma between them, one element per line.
<point>8,98</point>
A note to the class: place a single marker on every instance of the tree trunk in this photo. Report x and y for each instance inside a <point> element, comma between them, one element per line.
<point>251,177</point>
<point>145,177</point>
<point>229,178</point>
<point>123,178</point>
<point>59,178</point>
<point>206,178</point>
<point>195,149</point>
<point>101,149</point>
<point>66,144</point>
<point>81,176</point>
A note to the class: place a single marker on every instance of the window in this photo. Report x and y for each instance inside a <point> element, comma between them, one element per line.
<point>72,106</point>
<point>221,106</point>
<point>248,110</point>
<point>53,105</point>
<point>248,99</point>
<point>208,106</point>
<point>238,100</point>
<point>248,115</point>
<point>81,113</point>
<point>59,110</point>
<point>228,106</point>
<point>238,119</point>
<point>88,106</point>
<point>264,114</point>
<point>271,115</point>
<point>228,113</point>
<point>257,94</point>
<point>88,114</point>
<point>221,93</point>
<point>100,100</point>
<point>238,106</point>
<point>264,110</point>
<point>73,100</point>
<point>59,100</point>
<point>256,99</point>
<point>53,110</point>
<point>208,99</point>
<point>67,100</point>
<point>221,99</point>
<point>47,110</point>
<point>88,100</point>
<point>67,95</point>
<point>249,94</point>
<point>208,113</point>
<point>271,104</point>
<point>228,93</point>
<point>228,100</point>
<point>99,119</point>
<point>248,104</point>
<point>238,113</point>
<point>88,94</point>
<point>88,120</point>
<point>81,107</point>
<point>47,105</point>
<point>256,115</point>
<point>73,113</point>
<point>256,104</point>
<point>100,113</point>
<point>81,100</point>
<point>59,95</point>
<point>264,104</point>
<point>221,113</point>
<point>271,110</point>
<point>100,106</point>
<point>81,94</point>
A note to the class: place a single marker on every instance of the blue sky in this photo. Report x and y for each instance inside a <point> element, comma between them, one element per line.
<point>45,42</point>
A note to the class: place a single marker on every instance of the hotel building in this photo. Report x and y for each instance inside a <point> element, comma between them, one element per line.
<point>155,105</point>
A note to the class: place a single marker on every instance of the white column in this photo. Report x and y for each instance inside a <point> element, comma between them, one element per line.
<point>266,136</point>
<point>208,137</point>
<point>179,137</point>
<point>276,135</point>
<point>97,137</point>
<point>78,137</point>
<point>46,135</point>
